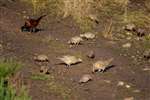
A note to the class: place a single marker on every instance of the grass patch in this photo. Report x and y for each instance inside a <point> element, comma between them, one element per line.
<point>8,67</point>
<point>81,10</point>
<point>7,92</point>
<point>45,6</point>
<point>39,77</point>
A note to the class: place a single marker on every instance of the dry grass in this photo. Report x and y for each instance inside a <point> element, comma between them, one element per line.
<point>81,10</point>
<point>108,30</point>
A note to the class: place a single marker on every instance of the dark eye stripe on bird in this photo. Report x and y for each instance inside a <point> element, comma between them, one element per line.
<point>31,24</point>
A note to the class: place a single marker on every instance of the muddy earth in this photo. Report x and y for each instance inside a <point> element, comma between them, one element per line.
<point>129,79</point>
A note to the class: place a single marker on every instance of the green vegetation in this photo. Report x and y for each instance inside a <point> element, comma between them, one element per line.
<point>39,77</point>
<point>8,68</point>
<point>7,92</point>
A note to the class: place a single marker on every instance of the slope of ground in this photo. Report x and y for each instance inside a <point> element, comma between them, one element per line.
<point>62,83</point>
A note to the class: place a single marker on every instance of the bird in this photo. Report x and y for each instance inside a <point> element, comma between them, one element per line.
<point>101,65</point>
<point>70,60</point>
<point>31,24</point>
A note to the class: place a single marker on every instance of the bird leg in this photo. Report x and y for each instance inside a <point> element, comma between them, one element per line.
<point>68,66</point>
<point>33,29</point>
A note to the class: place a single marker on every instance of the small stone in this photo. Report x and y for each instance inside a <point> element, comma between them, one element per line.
<point>91,54</point>
<point>24,11</point>
<point>133,56</point>
<point>85,78</point>
<point>128,38</point>
<point>128,33</point>
<point>146,69</point>
<point>136,91</point>
<point>26,17</point>
<point>120,83</point>
<point>56,39</point>
<point>137,38</point>
<point>126,45</point>
<point>129,98</point>
<point>107,81</point>
<point>127,86</point>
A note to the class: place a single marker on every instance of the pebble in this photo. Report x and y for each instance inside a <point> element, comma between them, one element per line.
<point>128,38</point>
<point>126,45</point>
<point>107,81</point>
<point>136,91</point>
<point>120,83</point>
<point>146,69</point>
<point>128,33</point>
<point>129,98</point>
<point>127,86</point>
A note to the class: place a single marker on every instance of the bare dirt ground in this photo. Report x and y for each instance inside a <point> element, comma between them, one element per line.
<point>62,83</point>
